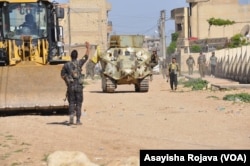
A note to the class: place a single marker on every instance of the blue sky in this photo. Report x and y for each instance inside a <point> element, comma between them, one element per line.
<point>142,16</point>
<point>244,1</point>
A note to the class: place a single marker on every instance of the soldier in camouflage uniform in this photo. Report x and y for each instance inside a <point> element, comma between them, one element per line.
<point>90,69</point>
<point>164,68</point>
<point>173,70</point>
<point>71,73</point>
<point>153,62</point>
<point>202,64</point>
<point>213,63</point>
<point>190,62</point>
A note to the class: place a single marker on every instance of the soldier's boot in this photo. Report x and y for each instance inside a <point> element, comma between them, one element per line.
<point>71,119</point>
<point>78,122</point>
<point>171,86</point>
<point>78,114</point>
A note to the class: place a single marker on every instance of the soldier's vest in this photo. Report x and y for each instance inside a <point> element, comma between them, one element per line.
<point>202,59</point>
<point>173,68</point>
<point>190,61</point>
<point>213,60</point>
<point>76,72</point>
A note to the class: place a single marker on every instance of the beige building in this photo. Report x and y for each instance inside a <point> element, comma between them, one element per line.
<point>87,21</point>
<point>191,22</point>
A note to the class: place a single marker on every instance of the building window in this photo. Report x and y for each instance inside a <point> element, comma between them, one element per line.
<point>179,27</point>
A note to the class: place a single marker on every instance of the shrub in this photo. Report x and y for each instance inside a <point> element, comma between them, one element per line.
<point>195,49</point>
<point>196,84</point>
<point>244,97</point>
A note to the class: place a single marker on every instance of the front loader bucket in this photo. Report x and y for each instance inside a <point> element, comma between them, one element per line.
<point>30,87</point>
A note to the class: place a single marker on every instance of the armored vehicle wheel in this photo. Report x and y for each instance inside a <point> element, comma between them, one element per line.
<point>108,85</point>
<point>142,86</point>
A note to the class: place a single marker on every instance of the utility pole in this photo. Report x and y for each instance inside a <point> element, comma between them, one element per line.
<point>69,29</point>
<point>163,34</point>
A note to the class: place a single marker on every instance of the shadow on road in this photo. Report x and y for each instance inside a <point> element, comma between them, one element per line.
<point>33,112</point>
<point>66,123</point>
<point>119,91</point>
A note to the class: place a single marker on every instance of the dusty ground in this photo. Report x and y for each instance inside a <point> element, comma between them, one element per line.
<point>118,125</point>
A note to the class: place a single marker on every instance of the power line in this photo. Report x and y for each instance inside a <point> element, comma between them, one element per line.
<point>154,27</point>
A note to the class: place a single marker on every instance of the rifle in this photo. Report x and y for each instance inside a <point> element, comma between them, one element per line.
<point>66,96</point>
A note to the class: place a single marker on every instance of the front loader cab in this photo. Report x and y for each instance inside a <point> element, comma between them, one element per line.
<point>31,32</point>
<point>19,19</point>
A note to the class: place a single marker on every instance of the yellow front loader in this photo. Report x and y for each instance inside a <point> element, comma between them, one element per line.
<point>31,51</point>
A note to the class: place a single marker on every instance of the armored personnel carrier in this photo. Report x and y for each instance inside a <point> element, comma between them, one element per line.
<point>125,62</point>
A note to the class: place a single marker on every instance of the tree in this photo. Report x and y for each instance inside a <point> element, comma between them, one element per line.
<point>174,37</point>
<point>218,22</point>
<point>172,46</point>
<point>237,41</point>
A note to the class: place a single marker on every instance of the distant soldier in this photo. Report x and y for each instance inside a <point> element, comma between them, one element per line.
<point>173,70</point>
<point>71,73</point>
<point>153,61</point>
<point>202,64</point>
<point>164,68</point>
<point>191,63</point>
<point>213,63</point>
<point>90,69</point>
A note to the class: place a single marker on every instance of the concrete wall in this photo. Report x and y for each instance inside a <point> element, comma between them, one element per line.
<point>232,63</point>
<point>194,22</point>
<point>224,9</point>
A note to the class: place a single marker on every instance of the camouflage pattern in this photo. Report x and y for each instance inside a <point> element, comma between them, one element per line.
<point>126,62</point>
<point>74,88</point>
<point>90,69</point>
<point>190,62</point>
<point>75,98</point>
<point>202,64</point>
<point>154,60</point>
<point>213,63</point>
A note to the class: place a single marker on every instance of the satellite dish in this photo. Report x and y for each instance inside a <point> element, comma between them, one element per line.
<point>245,30</point>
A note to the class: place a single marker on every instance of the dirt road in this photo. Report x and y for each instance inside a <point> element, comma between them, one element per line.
<point>118,125</point>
